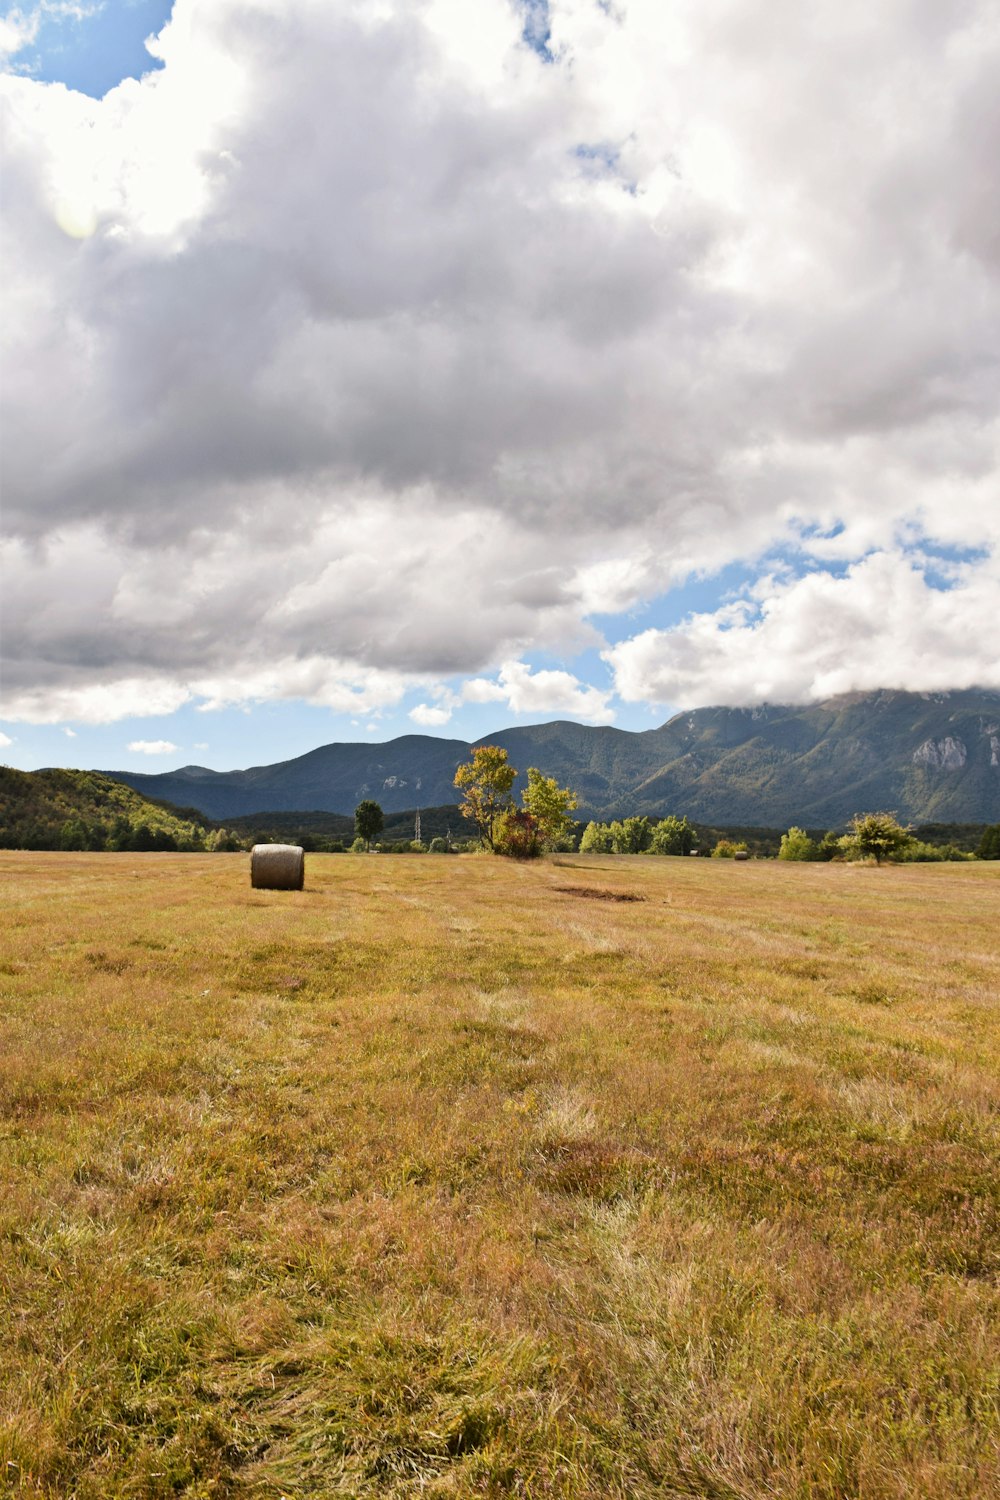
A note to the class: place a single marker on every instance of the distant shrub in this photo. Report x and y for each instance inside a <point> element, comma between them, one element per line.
<point>417,847</point>
<point>726,849</point>
<point>74,834</point>
<point>596,839</point>
<point>517,834</point>
<point>359,846</point>
<point>796,844</point>
<point>672,836</point>
<point>916,852</point>
<point>631,835</point>
<point>875,836</point>
<point>438,846</point>
<point>221,841</point>
<point>989,847</point>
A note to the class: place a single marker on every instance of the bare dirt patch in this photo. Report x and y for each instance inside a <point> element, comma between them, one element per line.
<point>594,893</point>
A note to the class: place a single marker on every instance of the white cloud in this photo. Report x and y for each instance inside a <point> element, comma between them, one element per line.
<point>18,30</point>
<point>96,703</point>
<point>5,740</point>
<point>272,442</point>
<point>541,692</point>
<point>882,624</point>
<point>430,717</point>
<point>482,690</point>
<point>70,734</point>
<point>152,747</point>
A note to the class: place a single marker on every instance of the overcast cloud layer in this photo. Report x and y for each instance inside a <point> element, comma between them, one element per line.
<point>365,348</point>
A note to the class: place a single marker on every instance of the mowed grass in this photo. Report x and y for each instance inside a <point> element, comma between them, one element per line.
<point>452,1177</point>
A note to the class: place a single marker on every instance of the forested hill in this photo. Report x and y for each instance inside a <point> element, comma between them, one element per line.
<point>927,756</point>
<point>85,810</point>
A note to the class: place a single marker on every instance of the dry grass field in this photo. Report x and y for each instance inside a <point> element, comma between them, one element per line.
<point>452,1177</point>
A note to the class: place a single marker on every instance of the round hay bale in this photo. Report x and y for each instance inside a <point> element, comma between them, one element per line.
<point>277,867</point>
<point>741,854</point>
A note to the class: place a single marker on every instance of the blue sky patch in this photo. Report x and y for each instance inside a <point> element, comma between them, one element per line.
<point>94,50</point>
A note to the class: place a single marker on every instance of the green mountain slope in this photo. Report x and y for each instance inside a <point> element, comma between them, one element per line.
<point>86,810</point>
<point>929,757</point>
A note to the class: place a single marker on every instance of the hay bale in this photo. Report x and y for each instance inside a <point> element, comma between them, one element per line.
<point>277,867</point>
<point>741,854</point>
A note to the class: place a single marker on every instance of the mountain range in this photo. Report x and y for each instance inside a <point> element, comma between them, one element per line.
<point>925,756</point>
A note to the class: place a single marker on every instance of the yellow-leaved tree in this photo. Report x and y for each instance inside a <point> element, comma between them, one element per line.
<point>485,783</point>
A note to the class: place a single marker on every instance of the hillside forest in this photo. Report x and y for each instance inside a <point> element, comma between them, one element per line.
<point>89,811</point>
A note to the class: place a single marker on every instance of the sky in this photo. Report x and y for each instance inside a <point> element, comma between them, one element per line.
<point>375,367</point>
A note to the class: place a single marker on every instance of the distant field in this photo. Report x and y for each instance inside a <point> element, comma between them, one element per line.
<point>453,1177</point>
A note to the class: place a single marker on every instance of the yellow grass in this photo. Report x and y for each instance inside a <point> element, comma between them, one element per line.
<point>436,1179</point>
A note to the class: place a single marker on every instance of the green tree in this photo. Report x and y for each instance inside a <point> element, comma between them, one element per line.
<point>596,839</point>
<point>74,834</point>
<point>727,849</point>
<point>631,835</point>
<point>550,806</point>
<point>368,821</point>
<point>829,846</point>
<point>485,783</point>
<point>875,836</point>
<point>796,844</point>
<point>672,836</point>
<point>221,841</point>
<point>989,847</point>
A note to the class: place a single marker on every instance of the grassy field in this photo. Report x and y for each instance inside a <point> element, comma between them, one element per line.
<point>452,1177</point>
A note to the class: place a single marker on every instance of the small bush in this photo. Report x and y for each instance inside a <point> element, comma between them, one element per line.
<point>517,835</point>
<point>726,849</point>
<point>438,846</point>
<point>917,852</point>
<point>796,844</point>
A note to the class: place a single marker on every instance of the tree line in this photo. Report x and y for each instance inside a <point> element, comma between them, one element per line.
<point>83,810</point>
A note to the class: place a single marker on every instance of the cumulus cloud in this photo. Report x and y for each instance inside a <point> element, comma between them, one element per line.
<point>152,747</point>
<point>522,691</point>
<point>5,740</point>
<point>430,716</point>
<point>18,30</point>
<point>884,623</point>
<point>359,346</point>
<point>540,692</point>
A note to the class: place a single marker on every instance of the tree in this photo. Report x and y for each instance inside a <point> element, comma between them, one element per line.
<point>672,836</point>
<point>631,835</point>
<point>875,836</point>
<point>74,834</point>
<point>368,821</point>
<point>517,834</point>
<point>596,839</point>
<point>727,849</point>
<point>829,846</point>
<point>989,847</point>
<point>485,783</point>
<point>549,805</point>
<point>796,844</point>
